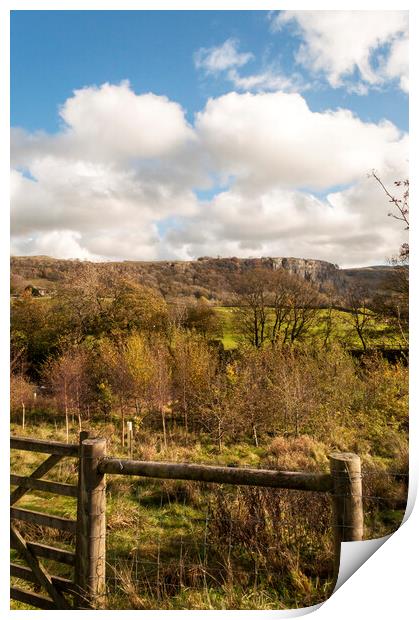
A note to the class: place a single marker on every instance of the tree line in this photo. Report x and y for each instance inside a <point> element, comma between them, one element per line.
<point>111,348</point>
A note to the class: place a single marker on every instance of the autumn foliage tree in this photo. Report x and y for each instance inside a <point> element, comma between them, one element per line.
<point>127,371</point>
<point>160,387</point>
<point>68,378</point>
<point>21,394</point>
<point>135,307</point>
<point>194,365</point>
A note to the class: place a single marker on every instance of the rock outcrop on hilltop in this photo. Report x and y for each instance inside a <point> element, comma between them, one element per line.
<point>205,277</point>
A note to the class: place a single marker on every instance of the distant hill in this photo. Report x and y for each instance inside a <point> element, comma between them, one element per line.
<point>205,277</point>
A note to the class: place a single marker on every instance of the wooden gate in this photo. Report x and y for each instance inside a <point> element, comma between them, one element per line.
<point>87,588</point>
<point>59,593</point>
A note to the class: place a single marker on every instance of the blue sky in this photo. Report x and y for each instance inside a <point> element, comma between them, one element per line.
<point>54,52</point>
<point>294,70</point>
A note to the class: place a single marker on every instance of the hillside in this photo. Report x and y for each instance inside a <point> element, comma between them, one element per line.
<point>206,277</point>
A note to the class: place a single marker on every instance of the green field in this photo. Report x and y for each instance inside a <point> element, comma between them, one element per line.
<point>378,335</point>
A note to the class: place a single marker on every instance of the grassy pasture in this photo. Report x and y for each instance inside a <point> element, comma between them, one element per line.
<point>378,334</point>
<point>184,545</point>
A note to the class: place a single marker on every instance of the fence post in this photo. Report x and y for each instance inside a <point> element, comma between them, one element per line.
<point>91,525</point>
<point>348,521</point>
<point>129,432</point>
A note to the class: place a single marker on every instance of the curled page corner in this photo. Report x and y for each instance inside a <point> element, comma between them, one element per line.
<point>353,555</point>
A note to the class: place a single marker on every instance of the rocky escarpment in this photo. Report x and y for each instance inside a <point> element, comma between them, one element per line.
<point>206,277</point>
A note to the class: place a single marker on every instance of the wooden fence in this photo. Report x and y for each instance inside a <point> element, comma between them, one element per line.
<point>88,588</point>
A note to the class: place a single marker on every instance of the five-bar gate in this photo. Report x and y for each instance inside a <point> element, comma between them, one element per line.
<point>87,589</point>
<point>59,592</point>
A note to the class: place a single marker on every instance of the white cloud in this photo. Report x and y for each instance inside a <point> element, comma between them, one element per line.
<point>83,195</point>
<point>114,121</point>
<point>225,56</point>
<point>348,227</point>
<point>114,210</point>
<point>270,138</point>
<point>397,65</point>
<point>339,43</point>
<point>111,123</point>
<point>226,59</point>
<point>56,243</point>
<point>264,81</point>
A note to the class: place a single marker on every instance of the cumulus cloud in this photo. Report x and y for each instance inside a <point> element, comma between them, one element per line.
<point>347,227</point>
<point>58,243</point>
<point>271,138</point>
<point>114,121</point>
<point>340,43</point>
<point>113,124</point>
<point>120,163</point>
<point>82,194</point>
<point>397,64</point>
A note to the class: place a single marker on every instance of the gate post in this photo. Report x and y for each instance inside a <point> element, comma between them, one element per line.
<point>91,526</point>
<point>348,520</point>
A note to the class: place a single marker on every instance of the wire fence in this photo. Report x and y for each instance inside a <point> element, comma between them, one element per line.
<point>167,539</point>
<point>249,538</point>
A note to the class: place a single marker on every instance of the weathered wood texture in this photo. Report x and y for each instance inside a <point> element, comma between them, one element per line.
<point>40,471</point>
<point>31,551</point>
<point>348,520</point>
<point>52,553</point>
<point>41,445</point>
<point>30,598</point>
<point>23,572</point>
<point>40,518</point>
<point>343,482</point>
<point>39,571</point>
<point>49,486</point>
<point>91,528</point>
<point>226,475</point>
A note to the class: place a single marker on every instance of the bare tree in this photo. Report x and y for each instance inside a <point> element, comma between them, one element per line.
<point>400,203</point>
<point>327,321</point>
<point>252,403</point>
<point>282,283</point>
<point>359,314</point>
<point>303,304</point>
<point>217,415</point>
<point>253,297</point>
<point>392,304</point>
<point>274,306</point>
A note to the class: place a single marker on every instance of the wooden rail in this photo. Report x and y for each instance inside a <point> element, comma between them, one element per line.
<point>40,471</point>
<point>51,553</point>
<point>31,598</point>
<point>49,486</point>
<point>22,572</point>
<point>40,518</point>
<point>31,552</point>
<point>343,483</point>
<point>299,481</point>
<point>47,447</point>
